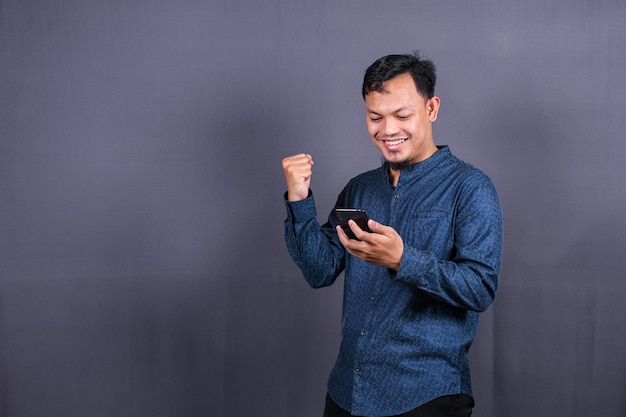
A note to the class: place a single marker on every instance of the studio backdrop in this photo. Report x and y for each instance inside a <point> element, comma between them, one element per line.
<point>143,270</point>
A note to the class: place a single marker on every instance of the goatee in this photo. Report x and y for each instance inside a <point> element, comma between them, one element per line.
<point>396,166</point>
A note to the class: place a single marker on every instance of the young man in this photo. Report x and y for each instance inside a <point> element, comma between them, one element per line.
<point>415,284</point>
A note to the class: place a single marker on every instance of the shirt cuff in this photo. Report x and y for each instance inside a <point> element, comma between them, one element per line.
<point>415,264</point>
<point>302,210</point>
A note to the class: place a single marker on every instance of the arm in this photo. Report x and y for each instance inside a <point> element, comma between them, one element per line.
<point>467,280</point>
<point>314,249</point>
<point>470,278</point>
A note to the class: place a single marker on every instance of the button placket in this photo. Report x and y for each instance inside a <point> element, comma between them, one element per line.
<point>364,332</point>
<point>362,344</point>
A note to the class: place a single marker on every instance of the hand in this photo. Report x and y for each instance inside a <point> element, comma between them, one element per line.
<point>298,170</point>
<point>383,247</point>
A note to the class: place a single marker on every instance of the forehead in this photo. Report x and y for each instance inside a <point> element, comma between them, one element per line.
<point>399,91</point>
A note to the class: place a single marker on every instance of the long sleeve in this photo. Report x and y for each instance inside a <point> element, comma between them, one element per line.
<point>316,250</point>
<point>470,278</point>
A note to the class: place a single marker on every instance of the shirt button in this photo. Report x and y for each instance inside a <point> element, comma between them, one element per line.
<point>396,196</point>
<point>373,298</point>
<point>358,369</point>
<point>363,333</point>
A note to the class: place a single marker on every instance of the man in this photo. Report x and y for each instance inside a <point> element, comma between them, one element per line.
<point>414,286</point>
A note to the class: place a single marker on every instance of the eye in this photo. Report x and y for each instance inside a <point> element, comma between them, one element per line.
<point>403,117</point>
<point>375,119</point>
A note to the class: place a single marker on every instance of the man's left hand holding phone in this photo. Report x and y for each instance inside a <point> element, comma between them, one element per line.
<point>343,215</point>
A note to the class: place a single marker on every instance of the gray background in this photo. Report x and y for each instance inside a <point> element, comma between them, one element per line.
<point>143,269</point>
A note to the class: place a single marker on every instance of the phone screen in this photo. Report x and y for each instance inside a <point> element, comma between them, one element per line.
<point>342,215</point>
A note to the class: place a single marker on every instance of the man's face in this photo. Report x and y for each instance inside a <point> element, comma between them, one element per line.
<point>399,122</point>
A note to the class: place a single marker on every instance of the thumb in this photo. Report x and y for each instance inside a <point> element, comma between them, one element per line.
<point>380,228</point>
<point>375,226</point>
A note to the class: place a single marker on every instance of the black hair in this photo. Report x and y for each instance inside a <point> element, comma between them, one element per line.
<point>387,67</point>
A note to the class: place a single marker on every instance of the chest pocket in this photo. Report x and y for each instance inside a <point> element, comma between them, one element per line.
<point>433,230</point>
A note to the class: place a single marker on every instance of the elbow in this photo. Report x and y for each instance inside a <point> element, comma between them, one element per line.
<point>317,282</point>
<point>486,296</point>
<point>482,305</point>
<point>319,277</point>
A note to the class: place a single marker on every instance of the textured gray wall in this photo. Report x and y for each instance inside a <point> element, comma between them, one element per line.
<point>143,271</point>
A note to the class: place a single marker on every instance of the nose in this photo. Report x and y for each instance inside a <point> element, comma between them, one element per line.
<point>390,127</point>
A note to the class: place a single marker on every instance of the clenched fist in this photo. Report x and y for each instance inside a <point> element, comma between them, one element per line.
<point>298,170</point>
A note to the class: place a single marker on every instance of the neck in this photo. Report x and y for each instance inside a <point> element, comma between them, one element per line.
<point>396,168</point>
<point>394,176</point>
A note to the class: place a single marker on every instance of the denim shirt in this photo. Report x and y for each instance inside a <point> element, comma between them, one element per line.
<point>406,334</point>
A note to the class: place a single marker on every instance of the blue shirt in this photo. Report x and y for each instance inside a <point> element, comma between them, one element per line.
<point>406,334</point>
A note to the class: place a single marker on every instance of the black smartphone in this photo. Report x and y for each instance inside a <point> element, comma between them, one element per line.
<point>342,215</point>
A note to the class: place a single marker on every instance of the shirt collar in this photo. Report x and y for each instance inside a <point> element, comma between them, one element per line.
<point>419,168</point>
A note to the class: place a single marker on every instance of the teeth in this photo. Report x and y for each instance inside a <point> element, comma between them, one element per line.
<point>394,142</point>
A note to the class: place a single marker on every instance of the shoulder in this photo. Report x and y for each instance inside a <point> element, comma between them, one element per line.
<point>467,173</point>
<point>360,187</point>
<point>476,193</point>
<point>368,177</point>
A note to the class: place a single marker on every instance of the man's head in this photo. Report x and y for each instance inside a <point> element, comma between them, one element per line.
<point>401,107</point>
<point>387,67</point>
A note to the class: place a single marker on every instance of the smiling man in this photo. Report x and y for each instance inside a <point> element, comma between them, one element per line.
<point>399,122</point>
<point>414,284</point>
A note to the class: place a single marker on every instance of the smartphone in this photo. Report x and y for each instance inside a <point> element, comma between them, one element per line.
<point>342,215</point>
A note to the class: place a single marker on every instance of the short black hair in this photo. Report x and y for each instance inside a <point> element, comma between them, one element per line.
<point>387,67</point>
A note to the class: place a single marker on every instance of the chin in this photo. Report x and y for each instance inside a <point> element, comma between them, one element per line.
<point>397,165</point>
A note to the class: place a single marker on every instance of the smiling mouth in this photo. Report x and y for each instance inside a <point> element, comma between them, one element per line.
<point>393,144</point>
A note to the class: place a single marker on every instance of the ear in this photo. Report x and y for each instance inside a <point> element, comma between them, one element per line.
<point>432,106</point>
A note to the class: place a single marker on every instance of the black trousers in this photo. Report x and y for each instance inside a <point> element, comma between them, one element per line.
<point>459,405</point>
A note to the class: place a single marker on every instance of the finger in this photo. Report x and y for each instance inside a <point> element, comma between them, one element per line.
<point>351,245</point>
<point>300,159</point>
<point>379,228</point>
<point>358,232</point>
<point>297,166</point>
<point>343,237</point>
